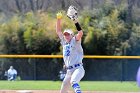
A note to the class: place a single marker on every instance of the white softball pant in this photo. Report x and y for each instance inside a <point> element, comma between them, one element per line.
<point>72,76</point>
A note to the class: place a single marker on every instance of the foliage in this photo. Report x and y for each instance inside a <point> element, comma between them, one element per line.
<point>106,28</point>
<point>30,31</point>
<point>134,40</point>
<point>33,32</point>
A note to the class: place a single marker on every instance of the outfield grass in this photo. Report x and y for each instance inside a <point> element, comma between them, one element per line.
<point>55,85</point>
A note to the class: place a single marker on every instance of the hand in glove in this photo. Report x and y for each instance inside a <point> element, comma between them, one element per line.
<point>72,13</point>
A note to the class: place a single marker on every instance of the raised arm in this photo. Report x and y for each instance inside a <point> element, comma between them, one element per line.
<point>79,29</point>
<point>73,15</point>
<point>58,25</point>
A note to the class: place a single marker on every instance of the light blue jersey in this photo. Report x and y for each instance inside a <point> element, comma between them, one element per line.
<point>72,51</point>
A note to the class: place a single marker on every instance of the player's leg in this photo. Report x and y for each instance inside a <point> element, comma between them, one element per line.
<point>75,79</point>
<point>66,83</point>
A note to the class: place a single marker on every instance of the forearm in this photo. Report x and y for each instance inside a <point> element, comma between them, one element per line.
<point>79,29</point>
<point>58,26</point>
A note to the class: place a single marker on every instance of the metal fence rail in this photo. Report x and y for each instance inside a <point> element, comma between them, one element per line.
<point>61,56</point>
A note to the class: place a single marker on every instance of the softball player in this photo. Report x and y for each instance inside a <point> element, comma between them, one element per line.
<point>72,52</point>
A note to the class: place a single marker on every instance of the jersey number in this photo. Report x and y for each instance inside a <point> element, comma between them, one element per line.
<point>67,51</point>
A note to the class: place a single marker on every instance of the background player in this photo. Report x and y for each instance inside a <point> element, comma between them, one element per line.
<point>72,52</point>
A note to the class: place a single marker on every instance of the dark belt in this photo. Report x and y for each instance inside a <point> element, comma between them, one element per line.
<point>74,66</point>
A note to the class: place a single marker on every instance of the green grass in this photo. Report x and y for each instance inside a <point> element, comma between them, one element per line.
<point>55,85</point>
<point>109,86</point>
